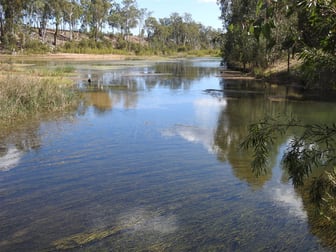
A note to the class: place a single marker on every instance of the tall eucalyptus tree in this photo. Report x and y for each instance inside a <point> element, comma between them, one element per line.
<point>95,14</point>
<point>57,8</point>
<point>72,13</point>
<point>130,15</point>
<point>115,19</point>
<point>144,13</point>
<point>10,17</point>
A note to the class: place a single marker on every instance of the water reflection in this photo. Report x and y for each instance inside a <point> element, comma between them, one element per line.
<point>285,196</point>
<point>152,163</point>
<point>282,192</point>
<point>175,75</point>
<point>206,114</point>
<point>192,134</point>
<point>15,140</point>
<point>9,158</point>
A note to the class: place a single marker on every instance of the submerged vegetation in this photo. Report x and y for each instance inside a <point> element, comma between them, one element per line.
<point>82,239</point>
<point>21,96</point>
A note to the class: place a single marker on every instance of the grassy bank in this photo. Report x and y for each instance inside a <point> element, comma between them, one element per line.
<point>22,95</point>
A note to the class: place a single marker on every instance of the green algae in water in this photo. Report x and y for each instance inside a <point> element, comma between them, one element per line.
<point>81,239</point>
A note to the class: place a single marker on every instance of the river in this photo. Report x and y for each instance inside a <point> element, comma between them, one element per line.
<point>151,162</point>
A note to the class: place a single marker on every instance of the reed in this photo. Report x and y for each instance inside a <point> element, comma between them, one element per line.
<point>21,96</point>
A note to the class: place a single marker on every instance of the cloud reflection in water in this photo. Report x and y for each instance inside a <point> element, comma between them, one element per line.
<point>206,110</point>
<point>285,196</point>
<point>10,159</point>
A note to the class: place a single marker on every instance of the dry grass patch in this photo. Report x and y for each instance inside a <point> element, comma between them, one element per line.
<point>22,95</point>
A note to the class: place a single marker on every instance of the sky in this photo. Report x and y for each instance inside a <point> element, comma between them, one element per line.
<point>205,12</point>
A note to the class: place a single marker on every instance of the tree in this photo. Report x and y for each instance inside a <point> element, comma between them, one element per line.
<point>95,13</point>
<point>151,25</point>
<point>115,17</point>
<point>45,13</point>
<point>260,32</point>
<point>72,13</point>
<point>143,15</point>
<point>314,148</point>
<point>318,21</point>
<point>57,12</point>
<point>241,46</point>
<point>11,13</point>
<point>130,15</point>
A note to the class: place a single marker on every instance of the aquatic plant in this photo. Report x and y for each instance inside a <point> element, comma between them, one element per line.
<point>82,239</point>
<point>21,95</point>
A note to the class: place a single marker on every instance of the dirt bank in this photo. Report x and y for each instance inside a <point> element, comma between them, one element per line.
<point>235,75</point>
<point>64,56</point>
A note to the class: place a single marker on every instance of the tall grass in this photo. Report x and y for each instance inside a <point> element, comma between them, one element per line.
<point>21,96</point>
<point>59,71</point>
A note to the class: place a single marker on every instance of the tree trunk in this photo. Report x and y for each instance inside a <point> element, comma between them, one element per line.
<point>56,34</point>
<point>288,59</point>
<point>1,28</point>
<point>70,27</point>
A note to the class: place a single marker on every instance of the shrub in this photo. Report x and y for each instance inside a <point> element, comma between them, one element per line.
<point>36,46</point>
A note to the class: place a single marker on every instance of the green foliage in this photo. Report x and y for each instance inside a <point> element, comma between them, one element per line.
<point>36,46</point>
<point>314,148</point>
<point>261,139</point>
<point>261,32</point>
<point>88,46</point>
<point>319,68</point>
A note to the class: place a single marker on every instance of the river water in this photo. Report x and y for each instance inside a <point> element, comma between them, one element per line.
<point>151,162</point>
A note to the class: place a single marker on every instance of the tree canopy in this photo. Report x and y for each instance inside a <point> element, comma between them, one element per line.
<point>259,32</point>
<point>100,19</point>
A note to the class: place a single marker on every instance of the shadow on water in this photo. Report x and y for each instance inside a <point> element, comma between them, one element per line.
<point>151,162</point>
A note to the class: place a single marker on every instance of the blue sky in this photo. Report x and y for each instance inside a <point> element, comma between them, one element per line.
<point>202,11</point>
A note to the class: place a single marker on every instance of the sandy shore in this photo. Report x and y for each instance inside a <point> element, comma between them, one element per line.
<point>65,56</point>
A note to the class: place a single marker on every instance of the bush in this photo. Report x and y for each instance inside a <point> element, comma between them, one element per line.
<point>319,69</point>
<point>36,46</point>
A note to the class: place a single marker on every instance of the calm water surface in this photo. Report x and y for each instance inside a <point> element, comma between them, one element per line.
<point>150,162</point>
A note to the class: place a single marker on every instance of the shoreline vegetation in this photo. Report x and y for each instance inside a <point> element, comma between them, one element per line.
<point>25,92</point>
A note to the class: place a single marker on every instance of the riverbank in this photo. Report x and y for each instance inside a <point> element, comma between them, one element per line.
<point>90,57</point>
<point>278,73</point>
<point>62,56</point>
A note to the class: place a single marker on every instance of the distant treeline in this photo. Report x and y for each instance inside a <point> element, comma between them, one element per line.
<point>259,32</point>
<point>24,24</point>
